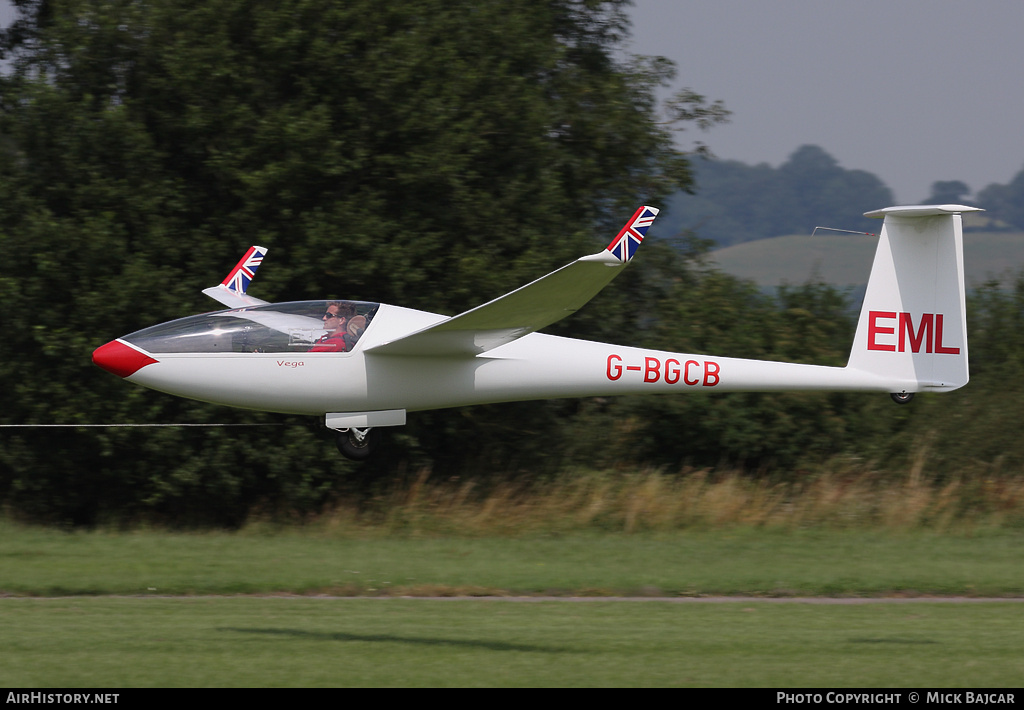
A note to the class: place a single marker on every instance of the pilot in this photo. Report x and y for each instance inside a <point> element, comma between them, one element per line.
<point>337,321</point>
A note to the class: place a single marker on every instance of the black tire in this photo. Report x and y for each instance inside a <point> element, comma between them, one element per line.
<point>902,397</point>
<point>351,447</point>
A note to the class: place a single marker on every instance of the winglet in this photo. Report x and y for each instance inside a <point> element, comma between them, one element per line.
<point>231,291</point>
<point>239,278</point>
<point>629,237</point>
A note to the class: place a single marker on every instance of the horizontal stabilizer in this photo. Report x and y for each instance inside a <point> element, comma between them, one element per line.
<point>921,211</point>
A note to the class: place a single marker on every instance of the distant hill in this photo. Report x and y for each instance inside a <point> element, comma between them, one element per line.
<point>845,259</point>
<point>735,202</point>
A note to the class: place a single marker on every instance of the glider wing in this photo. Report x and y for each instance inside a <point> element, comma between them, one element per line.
<point>527,309</point>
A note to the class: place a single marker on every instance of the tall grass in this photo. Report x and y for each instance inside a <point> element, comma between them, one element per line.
<point>843,495</point>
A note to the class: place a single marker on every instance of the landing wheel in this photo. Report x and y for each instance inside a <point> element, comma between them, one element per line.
<point>357,444</point>
<point>902,397</point>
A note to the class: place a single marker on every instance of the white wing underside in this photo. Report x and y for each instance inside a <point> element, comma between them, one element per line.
<point>231,298</point>
<point>519,313</point>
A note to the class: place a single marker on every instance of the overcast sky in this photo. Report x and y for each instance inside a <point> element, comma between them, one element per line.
<point>913,91</point>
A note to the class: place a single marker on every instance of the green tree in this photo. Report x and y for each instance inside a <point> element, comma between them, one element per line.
<point>735,202</point>
<point>710,312</point>
<point>1005,202</point>
<point>948,192</point>
<point>433,153</point>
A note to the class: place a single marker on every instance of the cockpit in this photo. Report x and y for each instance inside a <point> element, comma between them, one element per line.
<point>295,327</point>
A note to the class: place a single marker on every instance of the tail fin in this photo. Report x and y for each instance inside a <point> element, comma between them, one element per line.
<point>913,327</point>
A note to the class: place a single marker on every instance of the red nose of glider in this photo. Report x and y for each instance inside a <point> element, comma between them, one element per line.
<point>118,358</point>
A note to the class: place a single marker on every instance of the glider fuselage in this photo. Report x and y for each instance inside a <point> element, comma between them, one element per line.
<point>536,366</point>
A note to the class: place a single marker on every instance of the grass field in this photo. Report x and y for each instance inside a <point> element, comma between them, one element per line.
<point>303,642</point>
<point>268,607</point>
<point>845,260</point>
<point>735,562</point>
<point>277,604</point>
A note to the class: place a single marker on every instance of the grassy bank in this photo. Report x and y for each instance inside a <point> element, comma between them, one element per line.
<point>841,498</point>
<point>835,533</point>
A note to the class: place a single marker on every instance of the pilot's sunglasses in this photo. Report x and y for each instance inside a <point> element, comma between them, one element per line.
<point>329,315</point>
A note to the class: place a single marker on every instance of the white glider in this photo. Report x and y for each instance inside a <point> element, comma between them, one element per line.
<point>363,365</point>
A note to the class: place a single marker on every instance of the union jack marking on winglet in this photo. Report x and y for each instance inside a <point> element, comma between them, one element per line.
<point>629,238</point>
<point>239,278</point>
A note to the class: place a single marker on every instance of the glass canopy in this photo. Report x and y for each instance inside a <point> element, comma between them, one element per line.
<point>295,327</point>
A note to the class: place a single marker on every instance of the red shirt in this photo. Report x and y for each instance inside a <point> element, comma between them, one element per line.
<point>330,344</point>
